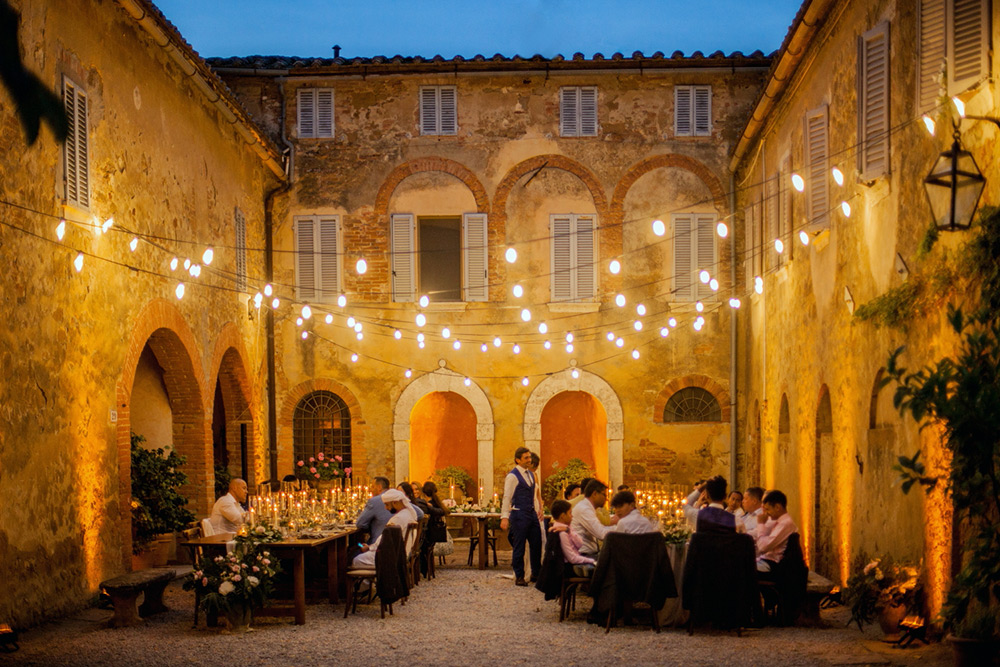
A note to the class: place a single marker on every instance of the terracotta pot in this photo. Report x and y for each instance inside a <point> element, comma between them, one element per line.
<point>974,652</point>
<point>889,618</point>
<point>155,554</point>
<point>239,616</point>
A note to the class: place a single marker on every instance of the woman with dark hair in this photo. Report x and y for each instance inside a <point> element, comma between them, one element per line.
<point>407,490</point>
<point>436,530</point>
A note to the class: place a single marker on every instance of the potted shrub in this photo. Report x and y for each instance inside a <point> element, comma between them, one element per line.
<point>961,394</point>
<point>574,470</point>
<point>881,589</point>
<point>456,476</point>
<point>158,509</point>
<point>322,471</point>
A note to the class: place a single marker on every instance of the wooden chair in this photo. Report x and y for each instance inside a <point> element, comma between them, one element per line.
<point>414,533</point>
<point>356,576</point>
<point>207,529</point>
<point>567,594</point>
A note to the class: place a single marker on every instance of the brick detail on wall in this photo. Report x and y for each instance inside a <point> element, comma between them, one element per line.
<point>239,398</point>
<point>359,454</point>
<point>498,218</point>
<point>703,381</point>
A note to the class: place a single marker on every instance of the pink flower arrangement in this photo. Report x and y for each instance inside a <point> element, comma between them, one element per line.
<point>322,466</point>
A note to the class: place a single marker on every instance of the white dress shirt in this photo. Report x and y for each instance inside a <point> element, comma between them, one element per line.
<point>402,518</point>
<point>749,520</point>
<point>227,515</point>
<point>634,522</point>
<point>590,529</point>
<point>510,483</point>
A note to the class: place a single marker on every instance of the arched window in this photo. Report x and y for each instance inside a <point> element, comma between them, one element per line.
<point>692,404</point>
<point>322,422</point>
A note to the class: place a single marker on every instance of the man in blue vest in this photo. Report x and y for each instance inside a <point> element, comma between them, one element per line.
<point>520,516</point>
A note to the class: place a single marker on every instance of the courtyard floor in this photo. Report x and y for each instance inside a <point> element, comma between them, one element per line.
<point>463,617</point>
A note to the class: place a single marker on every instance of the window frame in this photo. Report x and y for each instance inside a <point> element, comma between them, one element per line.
<point>322,292</point>
<point>574,127</point>
<point>692,90</point>
<point>701,226</point>
<point>298,448</point>
<point>315,113</point>
<point>575,295</point>
<point>873,105</point>
<point>714,406</point>
<point>404,257</point>
<point>76,176</point>
<point>439,128</point>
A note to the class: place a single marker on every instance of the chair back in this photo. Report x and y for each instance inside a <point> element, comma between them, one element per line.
<point>207,529</point>
<point>633,568</point>
<point>720,580</point>
<point>411,536</point>
<point>390,565</point>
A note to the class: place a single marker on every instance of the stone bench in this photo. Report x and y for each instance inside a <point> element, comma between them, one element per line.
<point>124,590</point>
<point>817,588</point>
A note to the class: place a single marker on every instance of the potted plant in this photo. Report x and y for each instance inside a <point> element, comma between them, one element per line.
<point>158,509</point>
<point>881,589</point>
<point>454,476</point>
<point>961,395</point>
<point>235,584</point>
<point>322,470</point>
<point>574,470</point>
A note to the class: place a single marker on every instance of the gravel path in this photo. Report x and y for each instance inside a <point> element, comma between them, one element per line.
<point>464,617</point>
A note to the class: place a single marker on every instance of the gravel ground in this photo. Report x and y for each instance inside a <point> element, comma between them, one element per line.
<point>463,617</point>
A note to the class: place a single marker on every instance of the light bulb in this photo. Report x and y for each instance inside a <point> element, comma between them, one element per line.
<point>758,285</point>
<point>484,347</point>
<point>420,337</point>
<point>510,255</point>
<point>804,237</point>
<point>196,270</point>
<point>468,382</point>
<point>275,303</point>
<point>641,309</point>
<point>569,337</point>
<point>798,183</point>
<point>620,342</point>
<point>328,319</point>
<point>838,175</point>
<point>257,299</point>
<point>638,325</point>
<point>207,256</point>
<point>928,123</point>
<point>734,303</point>
<point>518,291</point>
<point>672,322</point>
<point>187,263</point>
<point>421,344</point>
<point>408,373</point>
<point>299,321</point>
<point>446,333</point>
<point>543,328</point>
<point>358,327</point>
<point>424,301</point>
<point>575,373</point>
<point>134,243</point>
<point>179,291</point>
<point>516,349</point>
<point>360,336</point>
<point>700,320</point>
<point>341,300</point>
<point>173,264</point>
<point>421,319</point>
<point>722,230</point>
<point>620,300</point>
<point>305,334</point>
<point>846,208</point>
<point>306,312</point>
<point>397,334</point>
<point>547,345</point>
<point>457,344</point>
<point>354,357</point>
<point>569,348</point>
<point>361,266</point>
<point>659,228</point>
<point>524,381</point>
<point>78,262</point>
<point>697,325</point>
<point>635,354</point>
<point>526,315</point>
<point>268,290</point>
<point>107,225</point>
<point>351,322</point>
<point>714,284</point>
<point>779,246</point>
<point>699,306</point>
<point>959,106</point>
<point>61,230</point>
<point>497,342</point>
<point>615,266</point>
<point>664,332</point>
<point>611,336</point>
<point>704,276</point>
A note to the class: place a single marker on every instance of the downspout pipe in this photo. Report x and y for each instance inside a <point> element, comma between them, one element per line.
<point>733,330</point>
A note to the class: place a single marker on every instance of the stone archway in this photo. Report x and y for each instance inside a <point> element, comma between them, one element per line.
<point>586,382</point>
<point>444,380</point>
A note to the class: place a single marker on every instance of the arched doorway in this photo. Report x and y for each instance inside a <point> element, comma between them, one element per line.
<point>232,420</point>
<point>574,425</point>
<point>442,434</point>
<point>824,558</point>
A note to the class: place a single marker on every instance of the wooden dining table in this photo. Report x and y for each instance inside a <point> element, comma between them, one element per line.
<point>482,518</point>
<point>334,543</point>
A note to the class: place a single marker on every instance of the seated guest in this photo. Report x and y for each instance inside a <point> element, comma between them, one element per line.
<point>629,518</point>
<point>227,513</point>
<point>773,535</point>
<point>401,514</point>
<point>624,487</point>
<point>374,516</point>
<point>562,517</point>
<point>585,522</point>
<point>694,502</point>
<point>572,491</point>
<point>753,500</point>
<point>407,490</point>
<point>735,505</point>
<point>583,487</point>
<point>437,530</point>
<point>714,518</point>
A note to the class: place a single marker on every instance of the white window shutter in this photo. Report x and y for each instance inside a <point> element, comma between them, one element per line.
<point>305,258</point>
<point>702,111</point>
<point>785,218</point>
<point>682,111</point>
<point>771,208</point>
<point>968,43</point>
<point>241,250</point>
<point>584,258</point>
<point>475,257</point>
<point>324,112</point>
<point>307,113</point>
<point>706,250</point>
<point>684,244</point>
<point>447,110</point>
<point>931,61</point>
<point>328,282</point>
<point>562,257</point>
<point>817,152</point>
<point>76,149</point>
<point>873,102</point>
<point>403,260</point>
<point>588,112</point>
<point>568,118</point>
<point>428,110</point>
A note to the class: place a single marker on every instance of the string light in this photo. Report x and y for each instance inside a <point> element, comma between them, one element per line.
<point>78,262</point>
<point>959,106</point>
<point>928,123</point>
<point>547,345</point>
<point>798,182</point>
<point>569,337</point>
<point>134,243</point>
<point>408,373</point>
<point>722,230</point>
<point>420,337</point>
<point>779,246</point>
<point>107,225</point>
<point>61,230</point>
<point>305,335</point>
<point>497,342</point>
<point>299,321</point>
<point>424,301</point>
<point>620,300</point>
<point>804,237</point>
<point>517,348</point>
<point>638,325</point>
<point>635,354</point>
<point>358,327</point>
<point>543,328</point>
<point>187,263</point>
<point>421,319</point>
<point>704,276</point>
<point>714,284</point>
<point>518,291</point>
<point>173,264</point>
<point>257,299</point>
<point>698,324</point>
<point>328,319</point>
<point>179,291</point>
<point>672,322</point>
<point>195,270</point>
<point>420,344</point>
<point>275,303</point>
<point>341,300</point>
<point>615,266</point>
<point>468,382</point>
<point>397,334</point>
<point>734,303</point>
<point>641,309</point>
<point>484,347</point>
<point>659,228</point>
<point>361,266</point>
<point>524,381</point>
<point>351,322</point>
<point>569,348</point>
<point>620,342</point>
<point>306,312</point>
<point>838,175</point>
<point>360,336</point>
<point>354,357</point>
<point>575,373</point>
<point>664,332</point>
<point>526,315</point>
<point>510,255</point>
<point>457,344</point>
<point>268,290</point>
<point>846,208</point>
<point>207,257</point>
<point>758,285</point>
<point>699,306</point>
<point>611,336</point>
<point>446,333</point>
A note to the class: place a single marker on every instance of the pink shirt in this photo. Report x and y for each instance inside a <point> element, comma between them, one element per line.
<point>571,543</point>
<point>772,537</point>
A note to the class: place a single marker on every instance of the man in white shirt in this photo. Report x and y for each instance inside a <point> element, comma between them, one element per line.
<point>520,515</point>
<point>772,537</point>
<point>403,515</point>
<point>227,514</point>
<point>630,520</point>
<point>585,522</point>
<point>752,508</point>
<point>734,505</point>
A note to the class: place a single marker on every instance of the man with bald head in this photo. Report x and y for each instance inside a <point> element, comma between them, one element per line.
<point>227,514</point>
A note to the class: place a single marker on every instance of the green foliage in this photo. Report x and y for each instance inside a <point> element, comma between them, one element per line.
<point>877,584</point>
<point>243,576</point>
<point>456,475</point>
<point>895,308</point>
<point>574,471</point>
<point>157,507</point>
<point>222,479</point>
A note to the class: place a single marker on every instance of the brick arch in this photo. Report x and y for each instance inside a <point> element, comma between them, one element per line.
<point>359,453</point>
<point>163,327</point>
<point>401,172</point>
<point>670,160</point>
<point>498,222</point>
<point>229,369</point>
<point>708,384</point>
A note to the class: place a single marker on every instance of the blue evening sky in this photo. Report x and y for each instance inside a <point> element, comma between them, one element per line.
<point>470,27</point>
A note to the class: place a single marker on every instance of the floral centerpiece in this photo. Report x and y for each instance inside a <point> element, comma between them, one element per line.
<point>881,586</point>
<point>675,531</point>
<point>237,583</point>
<point>322,467</point>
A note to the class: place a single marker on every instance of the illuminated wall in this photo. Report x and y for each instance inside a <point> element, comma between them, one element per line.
<point>574,425</point>
<point>442,434</point>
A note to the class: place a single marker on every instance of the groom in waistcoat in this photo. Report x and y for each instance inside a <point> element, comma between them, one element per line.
<point>520,516</point>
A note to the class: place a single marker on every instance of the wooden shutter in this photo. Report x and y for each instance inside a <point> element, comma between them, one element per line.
<point>324,112</point>
<point>771,212</point>
<point>562,257</point>
<point>748,250</point>
<point>702,111</point>
<point>76,149</point>
<point>785,217</point>
<point>817,152</point>
<point>758,240</point>
<point>684,243</point>
<point>569,121</point>
<point>931,61</point>
<point>428,110</point>
<point>704,227</point>
<point>447,110</point>
<point>241,251</point>
<point>328,281</point>
<point>403,264</point>
<point>967,43</point>
<point>305,258</point>
<point>873,102</point>
<point>474,257</point>
<point>584,258</point>
<point>307,113</point>
<point>682,111</point>
<point>588,112</point>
